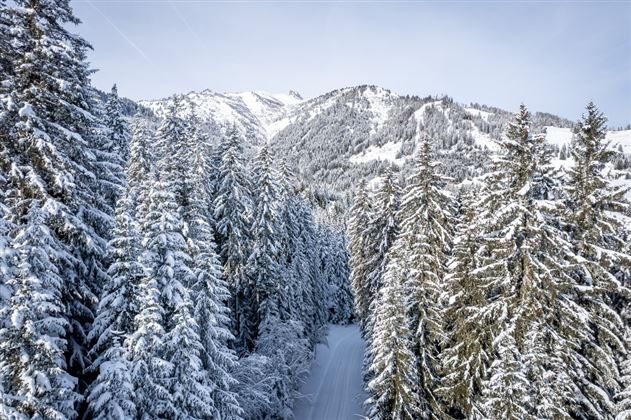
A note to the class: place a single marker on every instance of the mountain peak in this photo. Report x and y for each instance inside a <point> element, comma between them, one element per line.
<point>295,94</point>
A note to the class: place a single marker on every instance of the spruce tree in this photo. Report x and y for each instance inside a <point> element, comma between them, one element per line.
<point>598,241</point>
<point>341,306</point>
<point>51,141</point>
<point>111,394</point>
<point>359,246</point>
<point>393,388</point>
<point>271,298</point>
<point>466,355</point>
<point>233,212</point>
<point>118,131</point>
<point>507,395</point>
<point>530,308</point>
<point>33,370</point>
<point>208,290</point>
<point>382,232</point>
<point>421,251</point>
<point>623,397</point>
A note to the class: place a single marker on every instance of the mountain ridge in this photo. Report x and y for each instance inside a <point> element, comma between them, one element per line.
<point>353,133</point>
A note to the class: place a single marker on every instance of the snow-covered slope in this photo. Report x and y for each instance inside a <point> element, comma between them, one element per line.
<point>348,134</point>
<point>563,136</point>
<point>253,112</point>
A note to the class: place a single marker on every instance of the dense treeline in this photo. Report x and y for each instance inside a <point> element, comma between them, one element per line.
<point>145,271</point>
<point>510,301</point>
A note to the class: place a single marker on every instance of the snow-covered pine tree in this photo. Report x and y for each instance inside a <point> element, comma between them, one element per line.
<point>597,239</point>
<point>149,367</point>
<point>112,153</point>
<point>393,388</point>
<point>623,397</point>
<point>233,212</point>
<point>140,164</point>
<point>207,288</point>
<point>33,371</point>
<point>271,295</point>
<point>358,247</point>
<point>6,224</point>
<point>530,308</point>
<point>307,268</point>
<point>140,170</point>
<point>210,294</point>
<point>173,136</point>
<point>342,309</point>
<point>421,251</point>
<point>118,131</point>
<point>166,345</point>
<point>290,247</point>
<point>7,48</point>
<point>51,144</point>
<point>171,266</point>
<point>465,356</point>
<point>382,231</point>
<point>111,395</point>
<point>507,394</point>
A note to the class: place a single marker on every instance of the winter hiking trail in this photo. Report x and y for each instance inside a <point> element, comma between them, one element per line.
<point>334,390</point>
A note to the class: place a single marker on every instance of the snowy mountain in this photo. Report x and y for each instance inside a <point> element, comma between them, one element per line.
<point>355,132</point>
<point>255,113</point>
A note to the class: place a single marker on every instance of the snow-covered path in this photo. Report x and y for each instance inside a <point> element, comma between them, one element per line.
<point>334,389</point>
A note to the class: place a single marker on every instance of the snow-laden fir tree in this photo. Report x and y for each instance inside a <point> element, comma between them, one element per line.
<point>169,263</point>
<point>111,394</point>
<point>623,397</point>
<point>382,231</point>
<point>420,256</point>
<point>598,241</point>
<point>112,153</point>
<point>233,212</point>
<point>118,131</point>
<point>465,356</point>
<point>140,164</point>
<point>7,48</point>
<point>507,392</point>
<point>290,246</point>
<point>307,268</point>
<point>270,294</point>
<point>148,365</point>
<point>33,370</point>
<point>334,263</point>
<point>393,388</point>
<point>173,137</point>
<point>140,170</point>
<point>51,142</point>
<point>530,310</point>
<point>359,250</point>
<point>208,290</point>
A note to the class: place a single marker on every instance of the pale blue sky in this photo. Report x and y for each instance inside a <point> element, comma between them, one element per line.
<point>553,56</point>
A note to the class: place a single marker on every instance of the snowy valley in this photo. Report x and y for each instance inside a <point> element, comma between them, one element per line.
<point>258,256</point>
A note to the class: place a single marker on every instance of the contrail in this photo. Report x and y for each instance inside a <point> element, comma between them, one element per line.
<point>120,32</point>
<point>184,21</point>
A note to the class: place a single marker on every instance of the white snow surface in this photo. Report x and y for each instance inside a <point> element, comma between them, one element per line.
<point>620,138</point>
<point>386,152</point>
<point>257,111</point>
<point>419,114</point>
<point>478,112</point>
<point>560,136</point>
<point>334,391</point>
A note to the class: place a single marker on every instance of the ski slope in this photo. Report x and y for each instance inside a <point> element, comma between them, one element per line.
<point>334,391</point>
